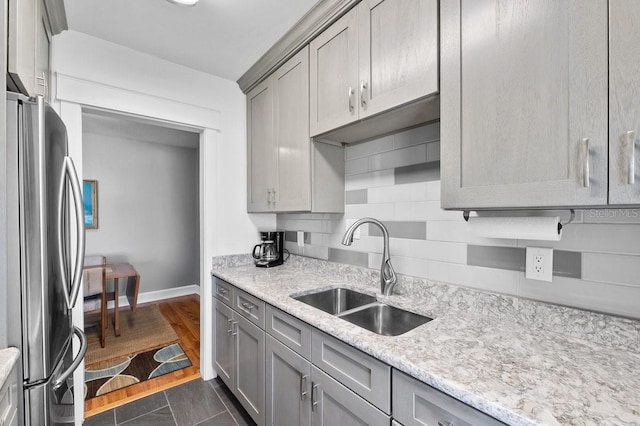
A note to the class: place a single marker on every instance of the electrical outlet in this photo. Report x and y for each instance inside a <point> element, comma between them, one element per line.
<point>300,238</point>
<point>539,264</point>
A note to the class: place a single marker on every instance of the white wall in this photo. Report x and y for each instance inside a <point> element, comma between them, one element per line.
<point>91,59</point>
<point>147,208</point>
<point>92,72</point>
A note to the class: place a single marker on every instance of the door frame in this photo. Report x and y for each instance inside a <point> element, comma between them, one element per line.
<point>72,96</point>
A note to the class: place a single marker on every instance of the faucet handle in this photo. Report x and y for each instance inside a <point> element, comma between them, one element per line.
<point>389,277</point>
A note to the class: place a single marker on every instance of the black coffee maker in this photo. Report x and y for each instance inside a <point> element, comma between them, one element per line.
<point>271,251</point>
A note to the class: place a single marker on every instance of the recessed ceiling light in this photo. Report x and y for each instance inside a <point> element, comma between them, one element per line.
<point>184,2</point>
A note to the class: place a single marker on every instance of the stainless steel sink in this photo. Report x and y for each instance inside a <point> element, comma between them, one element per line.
<point>336,300</point>
<point>384,319</point>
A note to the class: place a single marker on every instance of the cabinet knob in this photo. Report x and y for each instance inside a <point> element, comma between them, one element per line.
<point>631,167</point>
<point>314,403</point>
<point>363,92</point>
<point>350,97</point>
<point>303,386</point>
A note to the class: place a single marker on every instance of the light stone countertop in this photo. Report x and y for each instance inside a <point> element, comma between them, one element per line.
<point>8,358</point>
<point>522,362</point>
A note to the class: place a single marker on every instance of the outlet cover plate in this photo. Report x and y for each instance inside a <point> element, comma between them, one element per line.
<point>539,264</point>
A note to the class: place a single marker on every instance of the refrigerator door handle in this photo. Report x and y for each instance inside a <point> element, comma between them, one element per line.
<point>69,171</point>
<point>60,380</point>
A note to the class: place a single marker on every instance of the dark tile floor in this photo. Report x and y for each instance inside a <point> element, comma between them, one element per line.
<point>194,403</point>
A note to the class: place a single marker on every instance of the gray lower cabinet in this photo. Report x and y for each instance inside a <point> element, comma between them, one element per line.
<point>418,404</point>
<point>240,358</point>
<point>334,404</point>
<point>288,386</point>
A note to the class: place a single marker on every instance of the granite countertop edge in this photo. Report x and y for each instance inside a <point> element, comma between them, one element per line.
<point>441,353</point>
<point>8,358</point>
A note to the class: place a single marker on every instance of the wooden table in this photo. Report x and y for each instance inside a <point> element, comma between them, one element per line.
<point>115,272</point>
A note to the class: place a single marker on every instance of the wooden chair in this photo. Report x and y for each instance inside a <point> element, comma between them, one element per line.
<point>95,291</point>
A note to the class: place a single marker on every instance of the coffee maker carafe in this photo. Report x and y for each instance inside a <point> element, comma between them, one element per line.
<point>271,251</point>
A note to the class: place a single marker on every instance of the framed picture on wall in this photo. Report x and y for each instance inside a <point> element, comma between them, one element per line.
<point>90,203</point>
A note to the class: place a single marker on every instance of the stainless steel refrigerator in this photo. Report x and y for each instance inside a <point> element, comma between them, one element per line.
<point>45,232</point>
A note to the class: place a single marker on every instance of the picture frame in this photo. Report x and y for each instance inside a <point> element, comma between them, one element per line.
<point>90,203</point>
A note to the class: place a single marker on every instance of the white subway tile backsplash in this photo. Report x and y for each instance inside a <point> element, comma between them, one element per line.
<point>398,193</point>
<point>369,180</point>
<point>604,238</point>
<point>375,146</point>
<point>428,250</point>
<point>611,268</point>
<point>596,296</point>
<point>396,179</point>
<point>496,280</point>
<point>402,265</point>
<point>400,157</point>
<point>417,135</point>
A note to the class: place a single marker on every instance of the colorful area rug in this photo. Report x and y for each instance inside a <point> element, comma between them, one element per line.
<point>107,376</point>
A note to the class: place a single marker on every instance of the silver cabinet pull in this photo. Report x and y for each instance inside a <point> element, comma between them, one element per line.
<point>222,291</point>
<point>363,98</point>
<point>314,403</point>
<point>247,306</point>
<point>234,328</point>
<point>444,423</point>
<point>631,168</point>
<point>303,386</point>
<point>268,196</point>
<point>230,330</point>
<point>351,93</point>
<point>585,162</point>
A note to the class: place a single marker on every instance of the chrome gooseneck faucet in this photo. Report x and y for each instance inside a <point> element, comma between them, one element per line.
<point>387,274</point>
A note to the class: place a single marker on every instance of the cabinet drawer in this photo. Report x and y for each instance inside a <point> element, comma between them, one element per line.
<point>416,403</point>
<point>290,331</point>
<point>366,376</point>
<point>249,307</point>
<point>223,291</point>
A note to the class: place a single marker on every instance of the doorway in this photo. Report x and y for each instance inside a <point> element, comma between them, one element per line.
<point>146,214</point>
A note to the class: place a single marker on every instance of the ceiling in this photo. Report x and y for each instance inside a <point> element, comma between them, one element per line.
<point>138,129</point>
<point>219,37</point>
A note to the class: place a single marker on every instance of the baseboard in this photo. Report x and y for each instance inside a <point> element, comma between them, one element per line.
<point>154,296</point>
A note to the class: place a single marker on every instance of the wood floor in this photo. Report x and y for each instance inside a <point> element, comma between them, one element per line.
<point>183,313</point>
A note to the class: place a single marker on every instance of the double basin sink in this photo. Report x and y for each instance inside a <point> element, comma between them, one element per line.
<point>364,310</point>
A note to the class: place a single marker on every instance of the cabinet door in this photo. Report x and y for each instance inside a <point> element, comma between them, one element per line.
<point>398,52</point>
<point>224,342</point>
<point>291,122</point>
<point>524,103</point>
<point>334,404</point>
<point>262,153</point>
<point>249,368</point>
<point>21,45</point>
<point>624,102</point>
<point>334,76</point>
<point>287,387</point>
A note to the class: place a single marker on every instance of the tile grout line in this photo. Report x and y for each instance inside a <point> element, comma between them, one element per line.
<point>170,408</point>
<point>225,405</point>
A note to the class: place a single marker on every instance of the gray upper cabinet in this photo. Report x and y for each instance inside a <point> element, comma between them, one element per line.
<point>524,103</point>
<point>334,75</point>
<point>261,150</point>
<point>398,52</point>
<point>29,39</point>
<point>380,55</point>
<point>624,102</point>
<point>286,171</point>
